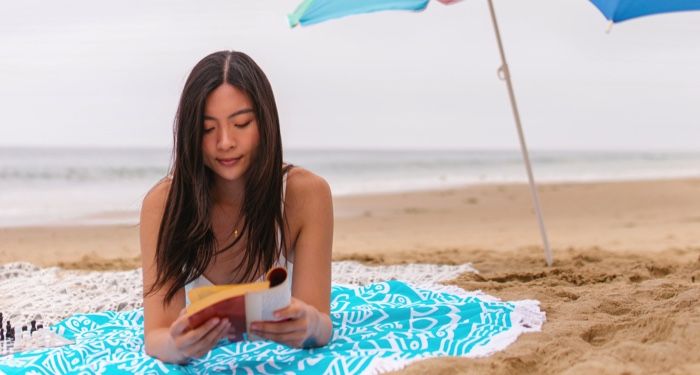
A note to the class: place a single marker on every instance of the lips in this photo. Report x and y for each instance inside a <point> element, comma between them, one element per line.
<point>229,161</point>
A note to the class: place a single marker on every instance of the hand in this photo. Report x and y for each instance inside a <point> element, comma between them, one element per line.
<point>296,328</point>
<point>196,342</point>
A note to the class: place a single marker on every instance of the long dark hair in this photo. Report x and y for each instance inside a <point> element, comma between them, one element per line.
<point>186,242</point>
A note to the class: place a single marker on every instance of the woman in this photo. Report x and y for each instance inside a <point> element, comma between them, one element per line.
<point>230,211</point>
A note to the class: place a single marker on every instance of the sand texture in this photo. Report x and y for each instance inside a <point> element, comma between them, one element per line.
<point>621,298</point>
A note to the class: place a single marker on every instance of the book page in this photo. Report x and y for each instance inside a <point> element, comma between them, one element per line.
<point>260,305</point>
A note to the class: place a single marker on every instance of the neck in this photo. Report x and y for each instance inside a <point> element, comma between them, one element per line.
<point>228,193</point>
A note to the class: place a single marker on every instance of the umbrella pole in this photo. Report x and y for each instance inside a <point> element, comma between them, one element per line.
<point>505,74</point>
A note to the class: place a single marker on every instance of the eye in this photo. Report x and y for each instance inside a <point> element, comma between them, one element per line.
<point>208,130</point>
<point>243,125</point>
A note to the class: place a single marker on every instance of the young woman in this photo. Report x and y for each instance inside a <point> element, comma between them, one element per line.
<point>230,211</point>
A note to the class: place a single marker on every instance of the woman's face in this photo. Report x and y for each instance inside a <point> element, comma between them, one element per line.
<point>231,134</point>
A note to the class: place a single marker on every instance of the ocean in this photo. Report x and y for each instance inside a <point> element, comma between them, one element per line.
<point>61,186</point>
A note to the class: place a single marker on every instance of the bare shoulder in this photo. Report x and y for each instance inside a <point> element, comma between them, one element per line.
<point>309,205</point>
<point>156,197</point>
<point>152,210</point>
<point>305,187</point>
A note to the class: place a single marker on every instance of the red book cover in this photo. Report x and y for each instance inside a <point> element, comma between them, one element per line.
<point>232,309</point>
<point>241,304</point>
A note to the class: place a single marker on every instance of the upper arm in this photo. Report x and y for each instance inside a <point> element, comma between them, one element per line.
<point>156,313</point>
<point>310,206</point>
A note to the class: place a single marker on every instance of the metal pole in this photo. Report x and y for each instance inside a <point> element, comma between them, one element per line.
<point>503,70</point>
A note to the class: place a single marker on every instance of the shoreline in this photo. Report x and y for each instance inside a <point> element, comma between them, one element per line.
<point>127,217</point>
<point>653,215</point>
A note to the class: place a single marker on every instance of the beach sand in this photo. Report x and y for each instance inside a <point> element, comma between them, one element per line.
<point>621,298</point>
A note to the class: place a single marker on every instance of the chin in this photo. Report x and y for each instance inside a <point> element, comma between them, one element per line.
<point>230,174</point>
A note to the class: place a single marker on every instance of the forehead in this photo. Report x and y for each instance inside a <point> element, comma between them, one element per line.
<point>225,100</point>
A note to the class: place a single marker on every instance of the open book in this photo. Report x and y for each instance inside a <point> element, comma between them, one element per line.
<point>241,304</point>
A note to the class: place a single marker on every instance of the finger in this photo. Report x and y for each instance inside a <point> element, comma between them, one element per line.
<point>216,334</point>
<point>287,326</point>
<point>207,342</point>
<point>293,311</point>
<point>196,334</point>
<point>282,311</point>
<point>292,304</point>
<point>179,326</point>
<point>183,311</point>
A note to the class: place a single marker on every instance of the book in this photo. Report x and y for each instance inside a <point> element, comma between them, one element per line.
<point>241,304</point>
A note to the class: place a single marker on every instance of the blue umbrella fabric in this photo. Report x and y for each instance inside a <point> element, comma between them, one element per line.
<point>622,10</point>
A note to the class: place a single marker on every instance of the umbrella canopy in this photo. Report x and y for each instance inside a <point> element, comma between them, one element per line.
<point>621,10</point>
<point>310,12</point>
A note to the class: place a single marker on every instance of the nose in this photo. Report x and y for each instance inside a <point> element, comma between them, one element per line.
<point>226,139</point>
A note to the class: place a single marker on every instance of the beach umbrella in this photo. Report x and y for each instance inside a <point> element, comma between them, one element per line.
<point>310,12</point>
<point>622,10</point>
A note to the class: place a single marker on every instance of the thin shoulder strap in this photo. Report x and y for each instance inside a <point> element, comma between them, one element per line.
<point>284,187</point>
<point>279,230</point>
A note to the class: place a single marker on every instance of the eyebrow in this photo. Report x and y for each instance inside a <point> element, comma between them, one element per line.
<point>234,114</point>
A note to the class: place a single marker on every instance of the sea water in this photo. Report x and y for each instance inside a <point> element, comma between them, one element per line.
<point>63,186</point>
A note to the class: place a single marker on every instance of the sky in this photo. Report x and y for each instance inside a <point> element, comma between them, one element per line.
<point>81,73</point>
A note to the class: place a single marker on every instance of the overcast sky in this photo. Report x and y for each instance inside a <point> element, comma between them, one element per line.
<point>109,73</point>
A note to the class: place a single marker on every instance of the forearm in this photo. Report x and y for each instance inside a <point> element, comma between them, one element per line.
<point>323,332</point>
<point>159,344</point>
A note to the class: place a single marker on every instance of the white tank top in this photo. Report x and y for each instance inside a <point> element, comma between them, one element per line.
<point>281,261</point>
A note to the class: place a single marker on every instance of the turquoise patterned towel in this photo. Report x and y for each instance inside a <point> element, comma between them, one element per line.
<point>378,327</point>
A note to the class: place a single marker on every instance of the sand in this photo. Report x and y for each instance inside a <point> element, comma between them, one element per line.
<point>621,298</point>
<point>607,313</point>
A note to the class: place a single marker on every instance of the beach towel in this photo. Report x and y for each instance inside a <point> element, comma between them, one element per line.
<point>378,327</point>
